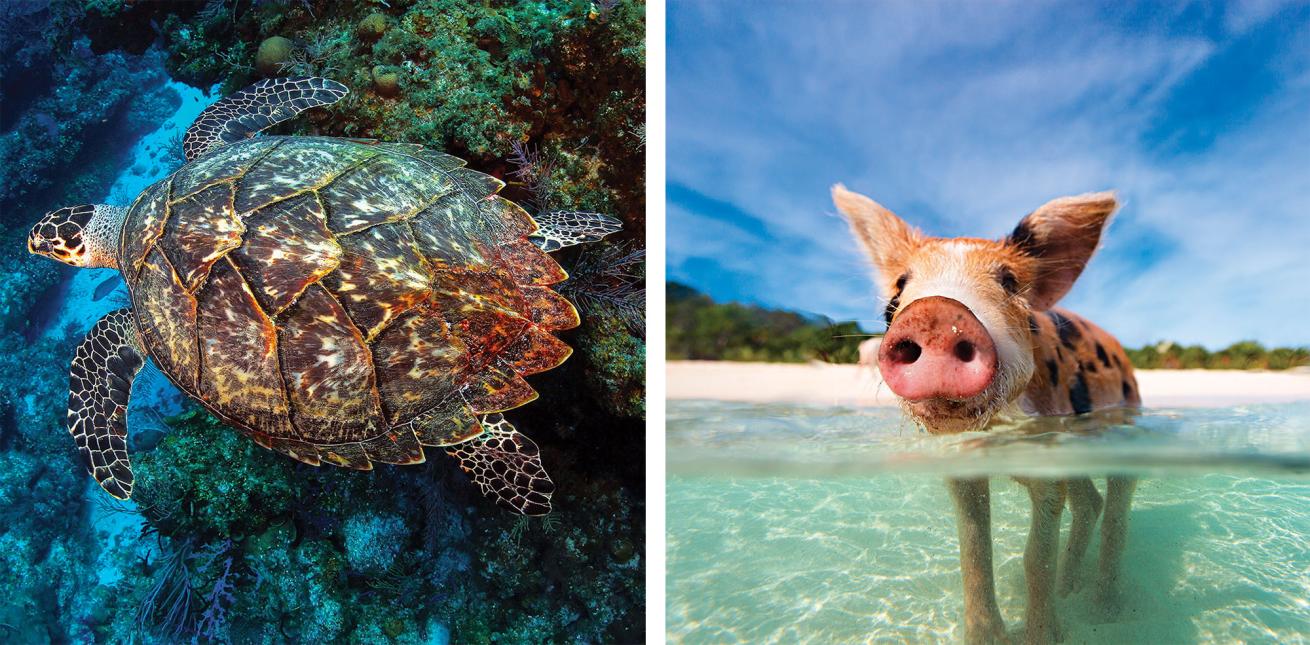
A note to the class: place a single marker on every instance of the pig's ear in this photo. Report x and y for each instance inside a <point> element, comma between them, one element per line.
<point>886,238</point>
<point>1061,236</point>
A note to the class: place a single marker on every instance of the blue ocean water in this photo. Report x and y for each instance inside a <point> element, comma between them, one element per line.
<point>803,524</point>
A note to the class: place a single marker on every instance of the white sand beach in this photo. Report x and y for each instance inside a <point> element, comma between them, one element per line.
<point>858,385</point>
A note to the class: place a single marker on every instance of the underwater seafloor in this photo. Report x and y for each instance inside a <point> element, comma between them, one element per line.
<point>225,541</point>
<point>798,524</point>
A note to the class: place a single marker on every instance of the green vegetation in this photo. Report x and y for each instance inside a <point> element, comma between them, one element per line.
<point>701,329</point>
<point>1242,355</point>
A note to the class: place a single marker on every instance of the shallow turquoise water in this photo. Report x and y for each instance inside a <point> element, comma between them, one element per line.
<point>803,524</point>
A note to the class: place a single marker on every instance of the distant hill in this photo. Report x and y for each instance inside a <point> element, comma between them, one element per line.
<point>701,329</point>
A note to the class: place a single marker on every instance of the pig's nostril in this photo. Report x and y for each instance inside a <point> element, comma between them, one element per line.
<point>964,351</point>
<point>905,351</point>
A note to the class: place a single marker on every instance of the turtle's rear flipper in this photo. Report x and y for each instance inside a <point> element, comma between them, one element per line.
<point>558,229</point>
<point>244,114</point>
<point>507,467</point>
<point>99,383</point>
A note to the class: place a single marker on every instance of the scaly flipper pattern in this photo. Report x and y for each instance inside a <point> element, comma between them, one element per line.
<point>558,229</point>
<point>99,384</point>
<point>507,467</point>
<point>246,113</point>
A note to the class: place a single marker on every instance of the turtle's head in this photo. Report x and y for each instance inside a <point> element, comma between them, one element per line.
<point>81,236</point>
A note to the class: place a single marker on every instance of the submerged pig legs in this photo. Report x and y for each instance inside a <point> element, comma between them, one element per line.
<point>973,509</point>
<point>1114,533</point>
<point>1085,506</point>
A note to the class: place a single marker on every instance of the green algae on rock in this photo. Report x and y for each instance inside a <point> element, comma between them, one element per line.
<point>386,81</point>
<point>372,27</point>
<point>273,55</point>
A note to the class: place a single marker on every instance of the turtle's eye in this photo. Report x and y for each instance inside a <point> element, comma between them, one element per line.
<point>39,244</point>
<point>67,251</point>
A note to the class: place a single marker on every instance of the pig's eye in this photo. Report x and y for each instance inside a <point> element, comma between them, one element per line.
<point>1008,281</point>
<point>896,299</point>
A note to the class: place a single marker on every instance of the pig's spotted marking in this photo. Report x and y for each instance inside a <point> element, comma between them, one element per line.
<point>1076,378</point>
<point>1069,334</point>
<point>1079,397</point>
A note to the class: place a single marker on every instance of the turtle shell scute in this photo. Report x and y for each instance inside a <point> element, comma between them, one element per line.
<point>343,302</point>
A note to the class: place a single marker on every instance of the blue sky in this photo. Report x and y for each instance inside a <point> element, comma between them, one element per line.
<point>963,117</point>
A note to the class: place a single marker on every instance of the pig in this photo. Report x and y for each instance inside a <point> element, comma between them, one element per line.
<point>974,340</point>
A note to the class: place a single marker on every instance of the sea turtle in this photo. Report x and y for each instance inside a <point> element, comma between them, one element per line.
<point>337,300</point>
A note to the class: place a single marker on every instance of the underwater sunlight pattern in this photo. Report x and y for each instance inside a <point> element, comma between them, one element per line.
<point>817,525</point>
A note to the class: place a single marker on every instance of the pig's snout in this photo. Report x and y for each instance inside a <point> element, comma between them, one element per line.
<point>937,349</point>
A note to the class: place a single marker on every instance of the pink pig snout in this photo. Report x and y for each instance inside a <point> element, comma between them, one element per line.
<point>937,349</point>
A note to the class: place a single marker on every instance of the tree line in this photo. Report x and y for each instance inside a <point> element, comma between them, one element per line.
<point>701,329</point>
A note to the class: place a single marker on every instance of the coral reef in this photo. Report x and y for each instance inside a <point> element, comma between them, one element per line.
<point>326,552</point>
<point>225,541</point>
<point>46,545</point>
<point>373,541</point>
<point>69,119</point>
<point>616,364</point>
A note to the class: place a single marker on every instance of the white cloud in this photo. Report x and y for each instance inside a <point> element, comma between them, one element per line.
<point>966,117</point>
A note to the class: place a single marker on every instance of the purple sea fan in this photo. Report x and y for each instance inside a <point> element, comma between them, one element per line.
<point>213,622</point>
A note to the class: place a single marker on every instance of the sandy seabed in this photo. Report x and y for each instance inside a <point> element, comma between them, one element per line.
<point>859,385</point>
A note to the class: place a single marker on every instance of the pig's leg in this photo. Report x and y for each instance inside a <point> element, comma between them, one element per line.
<point>1114,532</point>
<point>1047,496</point>
<point>973,512</point>
<point>1085,506</point>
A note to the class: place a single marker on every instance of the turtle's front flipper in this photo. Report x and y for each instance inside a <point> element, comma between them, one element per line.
<point>99,383</point>
<point>255,108</point>
<point>558,229</point>
<point>507,467</point>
